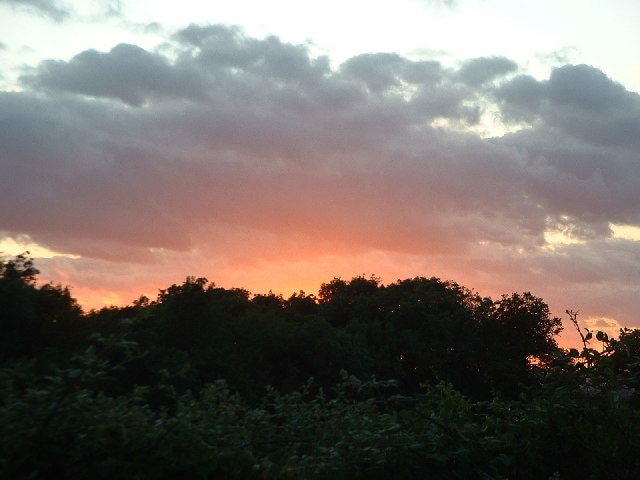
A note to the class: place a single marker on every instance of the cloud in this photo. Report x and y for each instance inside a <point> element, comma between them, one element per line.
<point>382,71</point>
<point>577,100</point>
<point>52,9</point>
<point>580,134</point>
<point>479,71</point>
<point>128,73</point>
<point>113,7</point>
<point>261,113</point>
<point>610,326</point>
<point>521,98</point>
<point>562,55</point>
<point>442,3</point>
<point>235,154</point>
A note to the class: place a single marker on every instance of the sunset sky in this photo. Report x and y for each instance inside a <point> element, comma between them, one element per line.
<point>277,145</point>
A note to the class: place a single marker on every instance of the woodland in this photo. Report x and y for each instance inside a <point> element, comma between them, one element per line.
<point>420,378</point>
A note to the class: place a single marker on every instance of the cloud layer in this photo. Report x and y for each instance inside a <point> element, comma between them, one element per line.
<point>235,152</point>
<point>48,8</point>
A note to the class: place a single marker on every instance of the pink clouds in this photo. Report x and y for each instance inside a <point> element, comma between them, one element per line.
<point>250,161</point>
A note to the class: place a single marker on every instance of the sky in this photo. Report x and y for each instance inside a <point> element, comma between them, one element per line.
<point>277,145</point>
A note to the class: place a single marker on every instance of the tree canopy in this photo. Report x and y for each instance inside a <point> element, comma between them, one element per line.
<point>420,377</point>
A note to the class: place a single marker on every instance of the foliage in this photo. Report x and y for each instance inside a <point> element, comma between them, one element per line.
<point>206,382</point>
<point>33,318</point>
<point>63,425</point>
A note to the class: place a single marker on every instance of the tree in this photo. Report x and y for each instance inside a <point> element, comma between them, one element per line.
<point>431,322</point>
<point>20,270</point>
<point>528,322</point>
<point>518,332</point>
<point>32,317</point>
<point>341,301</point>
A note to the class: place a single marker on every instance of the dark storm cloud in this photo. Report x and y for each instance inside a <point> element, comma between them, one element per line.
<point>53,9</point>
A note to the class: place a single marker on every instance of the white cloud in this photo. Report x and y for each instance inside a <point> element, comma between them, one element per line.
<point>53,9</point>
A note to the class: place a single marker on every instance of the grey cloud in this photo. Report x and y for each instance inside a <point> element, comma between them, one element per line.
<point>215,61</point>
<point>595,263</point>
<point>270,69</point>
<point>478,71</point>
<point>422,72</point>
<point>113,177</point>
<point>521,98</point>
<point>53,9</point>
<point>580,101</point>
<point>223,47</point>
<point>586,89</point>
<point>378,71</point>
<point>381,71</point>
<point>433,91</point>
<point>222,67</point>
<point>581,231</point>
<point>580,186</point>
<point>127,72</point>
<point>446,101</point>
<point>243,138</point>
<point>42,137</point>
<point>222,38</point>
<point>269,128</point>
<point>584,138</point>
<point>589,105</point>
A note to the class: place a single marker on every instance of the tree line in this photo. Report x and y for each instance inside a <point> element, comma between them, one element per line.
<point>418,378</point>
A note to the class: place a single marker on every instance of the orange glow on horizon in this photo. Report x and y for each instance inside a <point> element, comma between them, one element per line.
<point>285,276</point>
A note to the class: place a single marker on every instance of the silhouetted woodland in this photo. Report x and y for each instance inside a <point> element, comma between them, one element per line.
<point>420,378</point>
